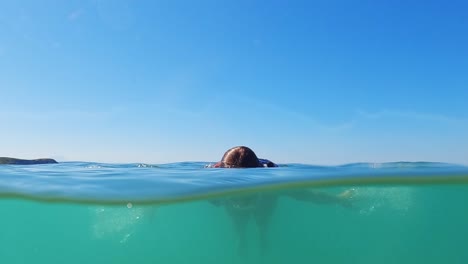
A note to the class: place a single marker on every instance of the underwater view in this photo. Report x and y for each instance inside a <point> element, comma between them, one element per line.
<point>76,212</point>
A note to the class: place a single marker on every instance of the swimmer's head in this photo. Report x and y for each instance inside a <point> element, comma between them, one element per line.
<point>239,157</point>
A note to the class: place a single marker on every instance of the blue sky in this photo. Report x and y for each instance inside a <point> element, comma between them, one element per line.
<point>319,82</point>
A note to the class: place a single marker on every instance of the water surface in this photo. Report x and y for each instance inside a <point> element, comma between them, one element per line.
<point>80,212</point>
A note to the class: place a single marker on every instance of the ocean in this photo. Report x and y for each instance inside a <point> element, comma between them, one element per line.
<point>84,212</point>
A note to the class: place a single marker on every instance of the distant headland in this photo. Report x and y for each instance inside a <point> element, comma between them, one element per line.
<point>13,161</point>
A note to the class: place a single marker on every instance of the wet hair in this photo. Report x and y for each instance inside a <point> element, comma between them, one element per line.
<point>240,157</point>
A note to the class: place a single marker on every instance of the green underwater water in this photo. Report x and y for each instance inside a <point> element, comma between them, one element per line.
<point>388,224</point>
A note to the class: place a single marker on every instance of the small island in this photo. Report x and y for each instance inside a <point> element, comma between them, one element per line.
<point>13,161</point>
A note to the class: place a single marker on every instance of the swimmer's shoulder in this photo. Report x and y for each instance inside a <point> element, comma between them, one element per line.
<point>267,163</point>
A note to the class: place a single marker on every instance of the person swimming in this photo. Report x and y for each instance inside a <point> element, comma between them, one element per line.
<point>241,157</point>
<point>261,206</point>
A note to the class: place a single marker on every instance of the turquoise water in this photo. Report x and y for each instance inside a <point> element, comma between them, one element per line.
<point>138,213</point>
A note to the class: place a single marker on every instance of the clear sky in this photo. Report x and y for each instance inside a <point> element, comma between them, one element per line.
<point>318,82</point>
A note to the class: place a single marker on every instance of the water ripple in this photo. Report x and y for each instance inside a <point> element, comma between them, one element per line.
<point>166,183</point>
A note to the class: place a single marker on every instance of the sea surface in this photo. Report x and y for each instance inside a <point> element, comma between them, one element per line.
<point>82,212</point>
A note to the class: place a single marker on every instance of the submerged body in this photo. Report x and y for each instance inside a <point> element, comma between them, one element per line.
<point>261,206</point>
